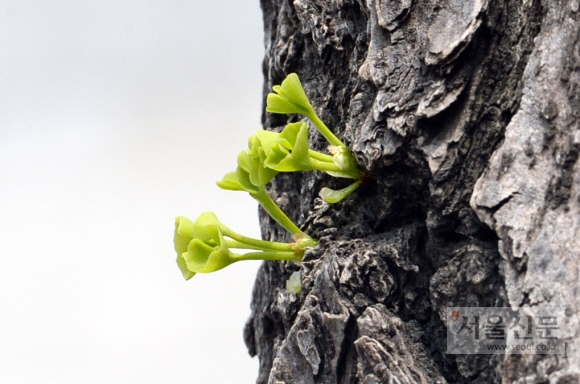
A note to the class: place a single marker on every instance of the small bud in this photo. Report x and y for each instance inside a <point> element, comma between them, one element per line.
<point>293,284</point>
<point>303,241</point>
<point>342,157</point>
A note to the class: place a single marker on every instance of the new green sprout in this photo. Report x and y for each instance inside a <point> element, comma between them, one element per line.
<point>206,245</point>
<point>290,98</point>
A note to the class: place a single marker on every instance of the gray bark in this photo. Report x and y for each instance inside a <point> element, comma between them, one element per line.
<point>466,115</point>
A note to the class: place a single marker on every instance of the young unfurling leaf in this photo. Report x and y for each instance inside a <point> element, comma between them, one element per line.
<point>206,245</point>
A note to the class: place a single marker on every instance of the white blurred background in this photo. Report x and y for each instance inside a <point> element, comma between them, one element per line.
<point>115,117</point>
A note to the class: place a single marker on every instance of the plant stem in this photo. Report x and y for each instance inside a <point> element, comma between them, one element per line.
<point>242,242</point>
<point>319,156</point>
<point>270,256</point>
<point>331,167</point>
<point>327,133</point>
<point>274,211</point>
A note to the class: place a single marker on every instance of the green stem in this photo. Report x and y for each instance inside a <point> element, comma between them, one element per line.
<point>274,256</point>
<point>242,242</point>
<point>331,167</point>
<point>324,166</point>
<point>274,211</point>
<point>327,133</point>
<point>319,156</point>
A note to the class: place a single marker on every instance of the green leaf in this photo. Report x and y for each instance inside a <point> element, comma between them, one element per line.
<point>187,274</point>
<point>197,255</point>
<point>251,173</point>
<point>251,161</point>
<point>265,174</point>
<point>300,150</point>
<point>289,97</point>
<point>201,258</point>
<point>203,246</point>
<point>184,232</point>
<point>245,161</point>
<point>290,132</point>
<point>237,181</point>
<point>276,154</point>
<point>207,228</point>
<point>287,151</point>
<point>331,196</point>
<point>266,139</point>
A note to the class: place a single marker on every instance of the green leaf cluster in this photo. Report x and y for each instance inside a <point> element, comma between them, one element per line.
<point>290,98</point>
<point>207,245</point>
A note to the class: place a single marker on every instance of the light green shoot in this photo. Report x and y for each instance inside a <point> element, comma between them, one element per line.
<point>252,176</point>
<point>288,151</point>
<point>332,196</point>
<point>206,245</point>
<point>290,98</point>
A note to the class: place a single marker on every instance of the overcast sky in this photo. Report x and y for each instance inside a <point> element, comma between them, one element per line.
<point>115,117</point>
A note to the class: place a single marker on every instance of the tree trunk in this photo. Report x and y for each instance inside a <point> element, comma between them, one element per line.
<point>466,115</point>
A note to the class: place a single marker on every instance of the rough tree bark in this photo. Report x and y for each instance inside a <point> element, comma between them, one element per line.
<point>466,114</point>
